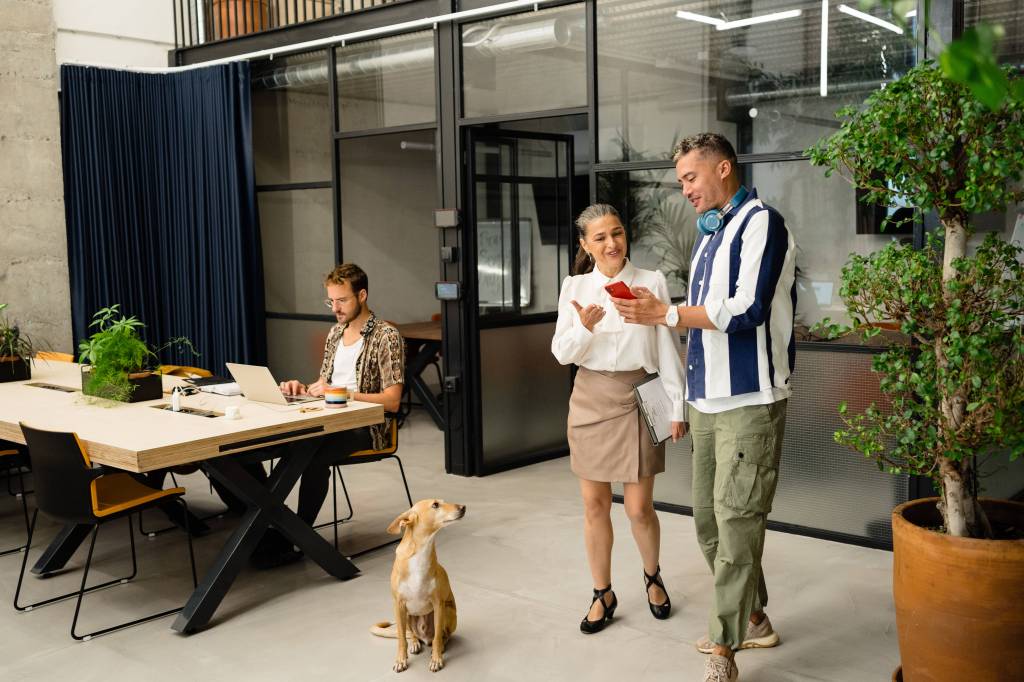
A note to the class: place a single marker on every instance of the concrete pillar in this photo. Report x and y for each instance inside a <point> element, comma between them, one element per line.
<point>33,239</point>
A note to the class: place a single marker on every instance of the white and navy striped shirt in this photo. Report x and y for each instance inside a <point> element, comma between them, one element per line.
<point>744,276</point>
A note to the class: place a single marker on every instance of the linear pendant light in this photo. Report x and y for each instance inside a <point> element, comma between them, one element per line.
<point>343,38</point>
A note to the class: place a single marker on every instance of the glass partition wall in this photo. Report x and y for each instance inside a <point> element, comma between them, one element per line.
<point>523,109</point>
<point>518,121</point>
<point>327,176</point>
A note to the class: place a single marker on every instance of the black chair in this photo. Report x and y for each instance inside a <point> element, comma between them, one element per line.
<point>71,491</point>
<point>12,459</point>
<point>365,457</point>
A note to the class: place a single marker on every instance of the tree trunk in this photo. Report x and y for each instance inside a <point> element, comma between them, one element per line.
<point>956,244</point>
<point>958,505</point>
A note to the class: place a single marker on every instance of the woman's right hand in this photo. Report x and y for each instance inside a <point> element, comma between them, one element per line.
<point>590,315</point>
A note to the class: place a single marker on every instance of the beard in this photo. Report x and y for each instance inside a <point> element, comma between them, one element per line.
<point>342,317</point>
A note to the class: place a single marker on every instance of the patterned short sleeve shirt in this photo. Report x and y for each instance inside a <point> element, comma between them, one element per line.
<point>380,364</point>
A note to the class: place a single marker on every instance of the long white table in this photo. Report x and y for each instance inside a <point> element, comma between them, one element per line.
<point>136,437</point>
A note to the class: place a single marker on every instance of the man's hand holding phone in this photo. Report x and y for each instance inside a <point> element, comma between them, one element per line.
<point>619,290</point>
<point>642,307</point>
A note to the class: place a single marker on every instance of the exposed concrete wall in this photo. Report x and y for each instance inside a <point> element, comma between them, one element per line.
<point>37,35</point>
<point>33,243</point>
<point>114,32</point>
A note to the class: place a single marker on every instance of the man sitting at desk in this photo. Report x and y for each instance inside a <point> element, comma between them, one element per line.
<point>363,352</point>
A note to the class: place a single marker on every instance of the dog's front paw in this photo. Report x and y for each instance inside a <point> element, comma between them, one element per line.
<point>401,665</point>
<point>436,663</point>
<point>415,646</point>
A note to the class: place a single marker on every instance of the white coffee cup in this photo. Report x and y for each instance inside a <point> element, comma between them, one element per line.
<point>232,412</point>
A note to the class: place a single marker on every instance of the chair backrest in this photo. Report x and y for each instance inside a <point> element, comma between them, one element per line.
<point>184,371</point>
<point>390,447</point>
<point>61,474</point>
<point>54,356</point>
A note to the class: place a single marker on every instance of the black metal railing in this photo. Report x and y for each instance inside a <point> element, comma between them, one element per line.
<point>197,22</point>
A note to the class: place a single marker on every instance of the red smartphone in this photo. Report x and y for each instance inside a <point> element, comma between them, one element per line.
<point>619,290</point>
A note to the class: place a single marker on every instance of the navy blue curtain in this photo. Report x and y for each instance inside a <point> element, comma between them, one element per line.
<point>161,211</point>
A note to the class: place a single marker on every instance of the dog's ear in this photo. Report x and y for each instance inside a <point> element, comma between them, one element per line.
<point>404,520</point>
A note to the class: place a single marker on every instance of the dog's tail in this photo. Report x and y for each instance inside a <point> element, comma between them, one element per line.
<point>384,629</point>
<point>388,629</point>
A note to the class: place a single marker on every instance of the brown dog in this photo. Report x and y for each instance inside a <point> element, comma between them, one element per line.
<point>424,603</point>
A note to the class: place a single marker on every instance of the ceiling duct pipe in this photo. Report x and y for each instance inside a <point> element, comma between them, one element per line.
<point>487,41</point>
<point>500,39</point>
<point>315,73</point>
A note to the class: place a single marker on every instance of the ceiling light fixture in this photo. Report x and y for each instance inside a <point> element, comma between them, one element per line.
<point>824,48</point>
<point>870,19</point>
<point>699,17</point>
<point>763,19</point>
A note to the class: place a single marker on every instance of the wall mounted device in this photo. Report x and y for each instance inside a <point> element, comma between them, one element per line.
<point>446,217</point>
<point>447,291</point>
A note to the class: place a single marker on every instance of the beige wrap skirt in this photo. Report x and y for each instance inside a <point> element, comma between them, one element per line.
<point>607,441</point>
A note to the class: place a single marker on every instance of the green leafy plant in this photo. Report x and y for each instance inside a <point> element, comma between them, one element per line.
<point>957,386</point>
<point>13,342</point>
<point>115,351</point>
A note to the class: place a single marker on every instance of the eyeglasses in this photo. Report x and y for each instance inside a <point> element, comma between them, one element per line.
<point>329,302</point>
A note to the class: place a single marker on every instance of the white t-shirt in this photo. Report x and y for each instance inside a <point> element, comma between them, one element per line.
<point>345,357</point>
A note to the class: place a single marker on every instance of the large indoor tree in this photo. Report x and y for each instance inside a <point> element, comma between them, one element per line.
<point>957,384</point>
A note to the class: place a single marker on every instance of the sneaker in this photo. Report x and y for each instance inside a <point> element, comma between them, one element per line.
<point>760,636</point>
<point>720,669</point>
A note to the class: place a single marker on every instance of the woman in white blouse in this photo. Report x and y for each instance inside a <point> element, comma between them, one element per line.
<point>607,441</point>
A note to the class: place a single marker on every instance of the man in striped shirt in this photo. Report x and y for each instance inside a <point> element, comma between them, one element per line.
<point>740,353</point>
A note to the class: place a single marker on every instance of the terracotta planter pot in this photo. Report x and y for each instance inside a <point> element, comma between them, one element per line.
<point>958,600</point>
<point>233,18</point>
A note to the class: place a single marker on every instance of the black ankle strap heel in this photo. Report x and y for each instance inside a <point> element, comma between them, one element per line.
<point>589,627</point>
<point>659,611</point>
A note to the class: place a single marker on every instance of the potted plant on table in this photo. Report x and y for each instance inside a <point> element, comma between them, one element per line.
<point>116,363</point>
<point>957,387</point>
<point>16,351</point>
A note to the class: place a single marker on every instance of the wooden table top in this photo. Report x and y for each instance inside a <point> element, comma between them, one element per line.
<point>424,331</point>
<point>137,437</point>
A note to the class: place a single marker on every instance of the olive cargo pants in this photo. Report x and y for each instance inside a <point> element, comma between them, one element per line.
<point>735,470</point>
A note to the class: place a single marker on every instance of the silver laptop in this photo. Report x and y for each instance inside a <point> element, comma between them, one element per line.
<point>257,383</point>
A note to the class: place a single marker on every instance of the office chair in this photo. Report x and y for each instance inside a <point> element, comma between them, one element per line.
<point>70,490</point>
<point>365,457</point>
<point>54,356</point>
<point>11,459</point>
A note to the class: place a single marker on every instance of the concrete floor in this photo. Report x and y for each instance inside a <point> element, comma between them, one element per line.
<point>518,570</point>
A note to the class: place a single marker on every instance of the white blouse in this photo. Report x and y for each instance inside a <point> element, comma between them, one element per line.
<point>614,345</point>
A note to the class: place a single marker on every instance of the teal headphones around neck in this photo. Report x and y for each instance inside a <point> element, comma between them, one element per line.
<point>711,221</point>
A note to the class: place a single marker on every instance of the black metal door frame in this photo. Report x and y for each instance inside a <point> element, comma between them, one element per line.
<point>471,134</point>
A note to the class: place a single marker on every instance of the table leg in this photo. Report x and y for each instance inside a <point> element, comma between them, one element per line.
<point>429,400</point>
<point>420,360</point>
<point>266,507</point>
<point>61,548</point>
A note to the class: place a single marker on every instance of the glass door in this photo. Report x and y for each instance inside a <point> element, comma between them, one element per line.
<point>520,212</point>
